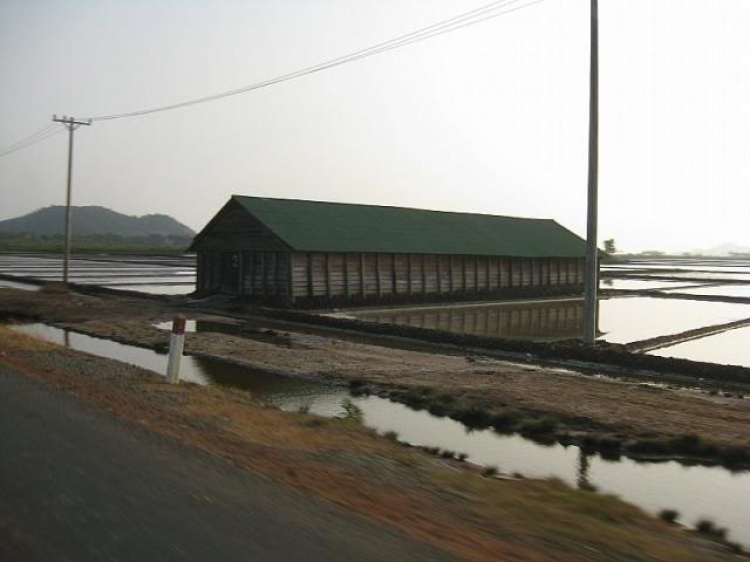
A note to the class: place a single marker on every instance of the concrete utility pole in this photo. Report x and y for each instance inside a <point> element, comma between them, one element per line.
<point>71,124</point>
<point>590,305</point>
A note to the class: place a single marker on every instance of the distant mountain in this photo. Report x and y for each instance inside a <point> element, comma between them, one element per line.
<point>725,250</point>
<point>89,221</point>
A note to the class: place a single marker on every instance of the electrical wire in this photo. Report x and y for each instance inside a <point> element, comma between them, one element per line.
<point>31,137</point>
<point>41,135</point>
<point>472,17</point>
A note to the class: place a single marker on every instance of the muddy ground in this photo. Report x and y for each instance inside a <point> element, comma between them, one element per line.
<point>443,503</point>
<point>618,415</point>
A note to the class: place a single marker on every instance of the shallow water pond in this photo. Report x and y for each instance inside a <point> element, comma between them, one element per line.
<point>147,274</point>
<point>702,275</point>
<point>695,491</point>
<point>639,284</point>
<point>621,320</point>
<point>551,319</point>
<point>625,320</point>
<point>18,285</point>
<point>730,348</point>
<point>158,289</point>
<point>736,290</point>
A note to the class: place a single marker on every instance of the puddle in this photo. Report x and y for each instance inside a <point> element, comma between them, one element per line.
<point>696,492</point>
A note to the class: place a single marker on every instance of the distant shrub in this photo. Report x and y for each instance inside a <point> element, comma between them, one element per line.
<point>541,426</point>
<point>489,471</point>
<point>708,527</point>
<point>505,419</point>
<point>473,417</point>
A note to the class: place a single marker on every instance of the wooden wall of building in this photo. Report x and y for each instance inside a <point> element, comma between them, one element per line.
<point>372,275</point>
<point>357,275</point>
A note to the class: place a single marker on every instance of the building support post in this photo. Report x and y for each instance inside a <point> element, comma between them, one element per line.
<point>290,277</point>
<point>592,258</point>
<point>362,282</point>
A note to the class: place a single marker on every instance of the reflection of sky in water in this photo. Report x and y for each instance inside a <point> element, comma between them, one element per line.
<point>694,491</point>
<point>708,275</point>
<point>730,348</point>
<point>738,290</point>
<point>665,268</point>
<point>15,285</point>
<point>154,278</point>
<point>637,284</point>
<point>626,320</point>
<point>158,289</point>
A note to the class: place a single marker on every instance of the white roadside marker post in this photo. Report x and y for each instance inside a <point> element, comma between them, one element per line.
<point>176,344</point>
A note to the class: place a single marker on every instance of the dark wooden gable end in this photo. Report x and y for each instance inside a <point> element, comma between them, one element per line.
<point>234,229</point>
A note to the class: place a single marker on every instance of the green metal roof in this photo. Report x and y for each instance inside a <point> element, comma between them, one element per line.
<point>313,226</point>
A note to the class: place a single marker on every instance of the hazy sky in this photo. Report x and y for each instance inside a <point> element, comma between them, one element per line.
<point>491,118</point>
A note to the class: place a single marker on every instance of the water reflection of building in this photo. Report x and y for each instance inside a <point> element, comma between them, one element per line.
<point>537,320</point>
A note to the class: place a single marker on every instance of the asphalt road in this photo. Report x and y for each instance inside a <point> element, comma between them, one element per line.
<point>78,484</point>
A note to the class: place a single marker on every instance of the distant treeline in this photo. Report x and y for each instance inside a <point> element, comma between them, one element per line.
<point>95,243</point>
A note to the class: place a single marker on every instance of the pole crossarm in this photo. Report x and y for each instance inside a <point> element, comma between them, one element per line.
<point>71,124</point>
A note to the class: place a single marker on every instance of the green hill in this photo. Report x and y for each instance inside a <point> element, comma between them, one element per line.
<point>95,221</point>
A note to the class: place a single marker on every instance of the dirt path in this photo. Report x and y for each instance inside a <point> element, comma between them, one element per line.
<point>441,504</point>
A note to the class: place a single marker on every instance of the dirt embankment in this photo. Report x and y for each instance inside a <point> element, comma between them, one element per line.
<point>440,502</point>
<point>612,415</point>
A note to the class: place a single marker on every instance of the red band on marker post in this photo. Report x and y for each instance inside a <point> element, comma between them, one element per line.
<point>178,325</point>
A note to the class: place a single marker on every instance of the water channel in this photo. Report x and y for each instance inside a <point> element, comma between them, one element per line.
<point>695,491</point>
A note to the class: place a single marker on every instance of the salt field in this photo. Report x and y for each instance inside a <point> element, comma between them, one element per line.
<point>166,275</point>
<point>729,348</point>
<point>622,319</point>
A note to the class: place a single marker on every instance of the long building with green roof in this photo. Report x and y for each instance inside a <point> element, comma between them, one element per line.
<point>311,251</point>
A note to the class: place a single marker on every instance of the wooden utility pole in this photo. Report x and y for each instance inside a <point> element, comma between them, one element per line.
<point>71,124</point>
<point>592,251</point>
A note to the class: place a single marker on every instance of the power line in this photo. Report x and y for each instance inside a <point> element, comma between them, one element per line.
<point>472,17</point>
<point>41,135</point>
<point>29,138</point>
